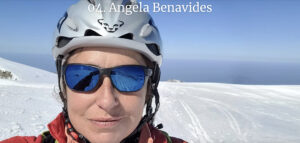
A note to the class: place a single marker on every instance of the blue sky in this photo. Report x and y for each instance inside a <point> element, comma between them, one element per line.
<point>238,30</point>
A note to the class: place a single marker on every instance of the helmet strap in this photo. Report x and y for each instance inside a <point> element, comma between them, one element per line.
<point>58,67</point>
<point>59,73</point>
<point>70,129</point>
<point>155,81</point>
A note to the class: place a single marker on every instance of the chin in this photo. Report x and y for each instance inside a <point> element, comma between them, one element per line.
<point>105,138</point>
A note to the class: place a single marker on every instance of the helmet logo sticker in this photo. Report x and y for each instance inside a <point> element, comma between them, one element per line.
<point>110,28</point>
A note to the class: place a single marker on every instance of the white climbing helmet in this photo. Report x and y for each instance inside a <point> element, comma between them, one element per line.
<point>93,23</point>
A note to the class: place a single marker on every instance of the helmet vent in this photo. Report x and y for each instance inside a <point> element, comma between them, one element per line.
<point>127,36</point>
<point>63,41</point>
<point>90,32</point>
<point>154,49</point>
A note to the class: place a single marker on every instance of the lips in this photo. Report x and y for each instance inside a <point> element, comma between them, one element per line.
<point>106,122</point>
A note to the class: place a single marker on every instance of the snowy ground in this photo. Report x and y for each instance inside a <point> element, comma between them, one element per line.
<point>196,112</point>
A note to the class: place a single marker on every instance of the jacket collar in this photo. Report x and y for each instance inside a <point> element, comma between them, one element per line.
<point>145,134</point>
<point>57,128</point>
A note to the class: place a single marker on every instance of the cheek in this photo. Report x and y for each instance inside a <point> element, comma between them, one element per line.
<point>76,103</point>
<point>134,103</point>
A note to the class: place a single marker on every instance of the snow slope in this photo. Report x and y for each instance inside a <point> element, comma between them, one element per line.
<point>196,112</point>
<point>24,73</point>
<point>226,113</point>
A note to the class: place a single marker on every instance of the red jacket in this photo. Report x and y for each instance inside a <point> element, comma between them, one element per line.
<point>57,130</point>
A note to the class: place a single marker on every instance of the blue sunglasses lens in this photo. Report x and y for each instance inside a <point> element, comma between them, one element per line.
<point>81,77</point>
<point>85,78</point>
<point>128,78</point>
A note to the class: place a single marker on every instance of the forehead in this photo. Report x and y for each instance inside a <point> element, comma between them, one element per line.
<point>106,56</point>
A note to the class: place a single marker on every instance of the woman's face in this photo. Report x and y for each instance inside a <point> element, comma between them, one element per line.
<point>106,115</point>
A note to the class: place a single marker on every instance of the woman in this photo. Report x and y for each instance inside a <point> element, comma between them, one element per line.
<point>108,66</point>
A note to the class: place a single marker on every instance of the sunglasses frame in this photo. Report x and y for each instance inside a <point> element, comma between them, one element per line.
<point>106,72</point>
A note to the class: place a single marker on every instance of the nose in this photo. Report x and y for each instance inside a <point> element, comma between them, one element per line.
<point>106,97</point>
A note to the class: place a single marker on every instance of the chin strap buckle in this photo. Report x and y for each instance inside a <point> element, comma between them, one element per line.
<point>159,126</point>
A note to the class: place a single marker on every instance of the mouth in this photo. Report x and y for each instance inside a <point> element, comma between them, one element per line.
<point>106,122</point>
